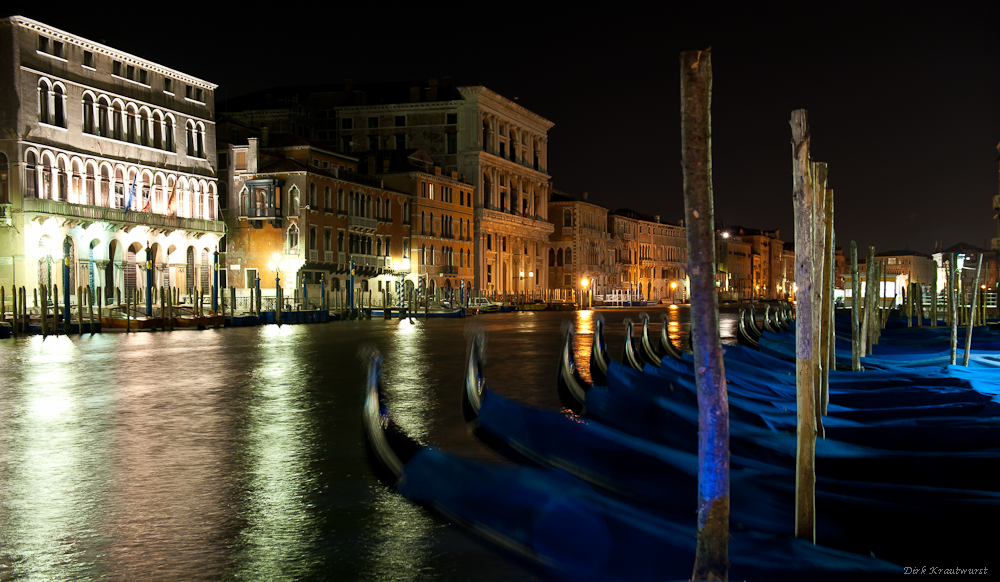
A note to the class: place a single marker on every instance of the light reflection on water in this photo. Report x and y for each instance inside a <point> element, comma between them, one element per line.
<point>236,454</point>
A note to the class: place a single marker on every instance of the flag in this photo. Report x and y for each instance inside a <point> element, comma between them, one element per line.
<point>172,201</point>
<point>131,193</point>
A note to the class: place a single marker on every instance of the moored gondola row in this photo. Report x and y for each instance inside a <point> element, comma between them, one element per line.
<point>907,456</point>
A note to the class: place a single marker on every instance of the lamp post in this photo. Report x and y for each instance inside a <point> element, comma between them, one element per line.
<point>215,283</point>
<point>275,266</point>
<point>673,291</point>
<point>66,293</point>
<point>584,282</point>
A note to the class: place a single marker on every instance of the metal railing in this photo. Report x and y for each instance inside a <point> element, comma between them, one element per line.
<point>120,215</point>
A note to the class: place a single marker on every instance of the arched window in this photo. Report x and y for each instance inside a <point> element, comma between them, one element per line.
<point>58,106</point>
<point>200,140</point>
<point>431,225</point>
<point>131,116</point>
<point>103,110</point>
<point>168,134</point>
<point>189,133</point>
<point>378,207</point>
<point>406,248</point>
<point>312,196</point>
<point>30,176</point>
<point>340,200</point>
<point>206,266</point>
<point>46,176</point>
<point>292,240</point>
<point>158,130</point>
<point>559,258</point>
<point>312,239</point>
<point>88,113</point>
<point>378,247</point>
<point>406,212</point>
<point>552,257</point>
<point>119,199</point>
<point>569,256</point>
<point>91,186</point>
<point>567,217</point>
<point>43,101</point>
<point>327,240</point>
<point>105,187</point>
<point>327,199</point>
<point>144,127</point>
<point>388,210</point>
<point>116,121</point>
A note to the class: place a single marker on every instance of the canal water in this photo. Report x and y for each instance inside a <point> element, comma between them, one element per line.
<point>236,454</point>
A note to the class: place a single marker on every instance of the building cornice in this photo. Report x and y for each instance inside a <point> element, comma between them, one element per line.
<point>450,104</point>
<point>96,47</point>
<point>483,93</point>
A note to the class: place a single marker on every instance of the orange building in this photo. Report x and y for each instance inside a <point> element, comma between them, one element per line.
<point>300,214</point>
<point>441,219</point>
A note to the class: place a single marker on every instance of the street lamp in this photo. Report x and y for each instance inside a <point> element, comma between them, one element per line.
<point>673,291</point>
<point>583,283</point>
<point>276,266</point>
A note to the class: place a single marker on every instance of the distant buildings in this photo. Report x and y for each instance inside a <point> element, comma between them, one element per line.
<point>108,165</point>
<point>650,257</point>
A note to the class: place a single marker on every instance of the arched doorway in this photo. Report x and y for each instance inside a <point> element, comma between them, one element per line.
<point>114,255</point>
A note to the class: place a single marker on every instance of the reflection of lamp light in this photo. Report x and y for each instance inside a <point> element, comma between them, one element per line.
<point>960,261</point>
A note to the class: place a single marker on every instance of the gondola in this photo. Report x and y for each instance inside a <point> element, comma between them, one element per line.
<point>599,353</point>
<point>667,346</point>
<point>564,527</point>
<point>630,355</point>
<point>859,515</point>
<point>743,337</point>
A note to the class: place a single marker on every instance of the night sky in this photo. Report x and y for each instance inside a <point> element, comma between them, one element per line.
<point>904,103</point>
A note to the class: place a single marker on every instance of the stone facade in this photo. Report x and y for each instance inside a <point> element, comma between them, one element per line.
<point>579,247</point>
<point>88,125</point>
<point>649,256</point>
<point>303,215</point>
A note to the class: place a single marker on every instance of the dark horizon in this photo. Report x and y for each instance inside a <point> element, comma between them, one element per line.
<point>903,103</point>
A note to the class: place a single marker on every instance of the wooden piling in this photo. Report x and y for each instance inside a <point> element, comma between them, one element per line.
<point>79,310</point>
<point>90,308</point>
<point>100,304</point>
<point>855,310</point>
<point>952,307</point>
<point>972,313</point>
<point>54,320</point>
<point>805,458</point>
<point>712,546</point>
<point>44,312</point>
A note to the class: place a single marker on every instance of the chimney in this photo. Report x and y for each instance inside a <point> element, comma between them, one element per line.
<point>414,94</point>
<point>265,134</point>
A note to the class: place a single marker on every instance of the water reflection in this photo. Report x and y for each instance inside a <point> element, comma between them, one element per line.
<point>52,465</point>
<point>280,524</point>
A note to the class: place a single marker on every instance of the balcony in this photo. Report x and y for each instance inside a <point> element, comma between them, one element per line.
<point>360,222</point>
<point>327,256</point>
<point>313,255</point>
<point>119,216</point>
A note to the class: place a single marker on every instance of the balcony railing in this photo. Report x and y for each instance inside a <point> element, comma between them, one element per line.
<point>313,255</point>
<point>120,216</point>
<point>362,222</point>
<point>327,256</point>
<point>341,258</point>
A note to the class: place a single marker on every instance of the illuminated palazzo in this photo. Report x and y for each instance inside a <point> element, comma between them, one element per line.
<point>106,159</point>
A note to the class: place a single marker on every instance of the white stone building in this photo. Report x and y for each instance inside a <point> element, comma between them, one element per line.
<point>83,125</point>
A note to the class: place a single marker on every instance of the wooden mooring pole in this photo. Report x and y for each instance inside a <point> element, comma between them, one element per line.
<point>712,546</point>
<point>805,458</point>
<point>952,307</point>
<point>972,313</point>
<point>855,310</point>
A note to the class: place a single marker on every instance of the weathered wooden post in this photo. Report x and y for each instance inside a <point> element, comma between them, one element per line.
<point>54,320</point>
<point>90,308</point>
<point>824,292</point>
<point>805,458</point>
<point>712,546</point>
<point>952,308</point>
<point>972,313</point>
<point>232,304</point>
<point>855,310</point>
<point>100,305</point>
<point>79,309</point>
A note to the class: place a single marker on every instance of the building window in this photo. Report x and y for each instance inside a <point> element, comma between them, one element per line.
<point>400,121</point>
<point>346,145</point>
<point>400,141</point>
<point>88,59</point>
<point>57,49</point>
<point>451,118</point>
<point>168,85</point>
<point>347,123</point>
<point>130,72</point>
<point>188,91</point>
<point>373,122</point>
<point>43,44</point>
<point>116,68</point>
<point>143,77</point>
<point>452,142</point>
<point>567,217</point>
